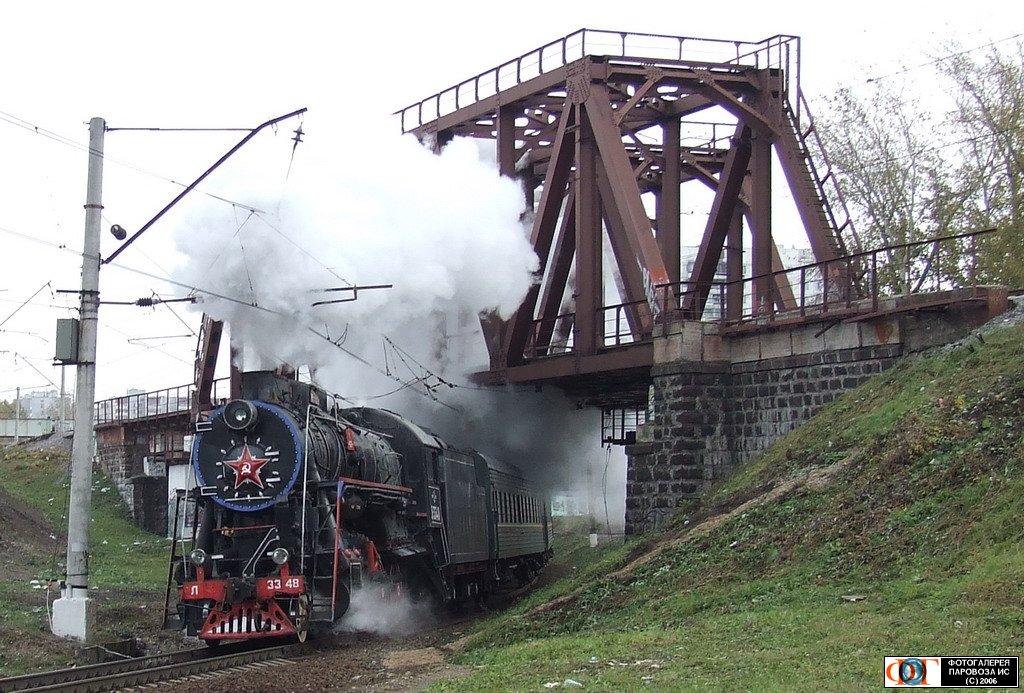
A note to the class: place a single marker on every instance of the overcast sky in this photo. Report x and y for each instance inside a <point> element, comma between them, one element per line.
<point>237,64</point>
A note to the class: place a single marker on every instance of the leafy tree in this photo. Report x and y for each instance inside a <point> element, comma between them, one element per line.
<point>891,175</point>
<point>989,94</point>
<point>7,410</point>
<point>909,175</point>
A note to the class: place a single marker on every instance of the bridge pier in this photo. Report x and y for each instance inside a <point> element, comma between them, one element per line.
<point>719,398</point>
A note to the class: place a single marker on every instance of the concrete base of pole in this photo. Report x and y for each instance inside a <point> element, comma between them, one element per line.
<point>74,617</point>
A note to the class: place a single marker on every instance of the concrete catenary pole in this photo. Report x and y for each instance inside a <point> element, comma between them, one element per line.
<point>62,412</point>
<point>17,412</point>
<point>74,614</point>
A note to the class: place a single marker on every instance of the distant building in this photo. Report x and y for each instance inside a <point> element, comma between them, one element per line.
<point>567,505</point>
<point>43,404</point>
<point>791,257</point>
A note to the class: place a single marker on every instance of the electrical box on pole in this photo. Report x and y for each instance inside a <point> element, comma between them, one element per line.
<point>67,342</point>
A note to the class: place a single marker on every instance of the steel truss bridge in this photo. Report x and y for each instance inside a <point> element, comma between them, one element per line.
<point>605,131</point>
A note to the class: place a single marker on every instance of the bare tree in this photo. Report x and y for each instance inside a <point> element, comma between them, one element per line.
<point>909,175</point>
<point>890,169</point>
<point>989,177</point>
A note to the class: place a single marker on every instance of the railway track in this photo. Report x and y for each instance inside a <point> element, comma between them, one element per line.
<point>127,673</point>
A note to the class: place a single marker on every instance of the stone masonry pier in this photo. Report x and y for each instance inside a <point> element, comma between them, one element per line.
<point>721,397</point>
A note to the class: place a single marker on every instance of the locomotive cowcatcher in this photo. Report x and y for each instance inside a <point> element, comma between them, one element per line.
<point>299,503</point>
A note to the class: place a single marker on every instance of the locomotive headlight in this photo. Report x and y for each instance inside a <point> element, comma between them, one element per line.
<point>239,414</point>
<point>279,556</point>
<point>198,557</point>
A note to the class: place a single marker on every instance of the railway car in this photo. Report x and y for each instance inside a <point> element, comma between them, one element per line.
<point>299,503</point>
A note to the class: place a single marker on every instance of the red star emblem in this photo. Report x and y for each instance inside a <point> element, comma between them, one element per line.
<point>247,468</point>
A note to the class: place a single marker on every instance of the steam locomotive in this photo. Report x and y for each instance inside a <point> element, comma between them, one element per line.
<point>299,504</point>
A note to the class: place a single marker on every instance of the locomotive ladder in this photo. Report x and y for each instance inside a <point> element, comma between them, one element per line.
<point>172,620</point>
<point>325,558</point>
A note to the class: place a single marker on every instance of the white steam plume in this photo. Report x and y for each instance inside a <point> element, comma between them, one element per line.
<point>445,230</point>
<point>393,615</point>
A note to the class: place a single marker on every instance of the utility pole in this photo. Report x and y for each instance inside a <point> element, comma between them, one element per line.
<point>17,412</point>
<point>74,613</point>
<point>60,434</point>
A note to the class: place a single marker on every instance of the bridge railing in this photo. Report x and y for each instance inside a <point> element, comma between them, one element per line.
<point>855,284</point>
<point>145,405</point>
<point>775,52</point>
<point>858,282</point>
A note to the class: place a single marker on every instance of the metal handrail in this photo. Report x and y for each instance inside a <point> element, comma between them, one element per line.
<point>816,290</point>
<point>776,51</point>
<point>816,285</point>
<point>170,400</point>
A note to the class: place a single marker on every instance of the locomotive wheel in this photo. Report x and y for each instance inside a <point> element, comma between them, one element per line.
<point>302,618</point>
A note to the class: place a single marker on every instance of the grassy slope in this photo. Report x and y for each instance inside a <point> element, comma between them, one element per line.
<point>128,566</point>
<point>905,491</point>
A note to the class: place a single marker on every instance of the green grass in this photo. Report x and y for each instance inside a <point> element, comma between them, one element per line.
<point>921,518</point>
<point>128,566</point>
<point>121,553</point>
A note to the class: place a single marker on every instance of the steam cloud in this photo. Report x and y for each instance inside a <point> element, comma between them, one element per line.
<point>446,231</point>
<point>369,612</point>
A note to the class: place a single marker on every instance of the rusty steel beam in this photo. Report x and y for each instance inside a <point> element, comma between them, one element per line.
<point>625,198</point>
<point>722,210</point>
<point>761,243</point>
<point>668,207</point>
<point>492,326</point>
<point>486,107</point>
<point>783,292</point>
<point>558,274</point>
<point>822,238</point>
<point>206,362</point>
<point>708,85</point>
<point>518,331</point>
<point>784,297</point>
<point>589,270</point>
<point>631,281</point>
<point>625,109</point>
<point>687,105</point>
<point>733,307</point>
<point>636,355</point>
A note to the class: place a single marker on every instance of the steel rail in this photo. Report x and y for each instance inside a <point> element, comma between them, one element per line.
<point>143,670</point>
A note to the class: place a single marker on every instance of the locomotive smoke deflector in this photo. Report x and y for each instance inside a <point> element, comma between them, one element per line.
<point>239,414</point>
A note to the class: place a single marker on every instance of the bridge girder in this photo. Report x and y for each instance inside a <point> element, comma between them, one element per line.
<point>608,141</point>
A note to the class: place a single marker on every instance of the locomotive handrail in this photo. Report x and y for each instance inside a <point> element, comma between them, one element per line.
<point>375,485</point>
<point>305,490</point>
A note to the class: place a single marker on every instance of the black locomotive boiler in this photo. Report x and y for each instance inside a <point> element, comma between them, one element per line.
<point>299,503</point>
